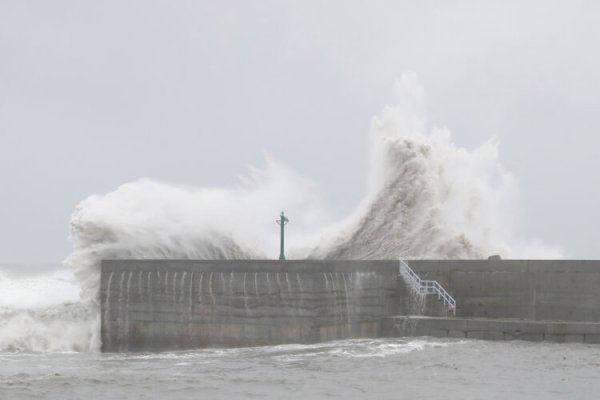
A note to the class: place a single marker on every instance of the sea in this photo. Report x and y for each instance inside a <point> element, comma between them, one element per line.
<point>48,351</point>
<point>409,368</point>
<point>427,198</point>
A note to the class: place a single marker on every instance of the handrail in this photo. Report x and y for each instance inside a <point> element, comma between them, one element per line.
<point>424,287</point>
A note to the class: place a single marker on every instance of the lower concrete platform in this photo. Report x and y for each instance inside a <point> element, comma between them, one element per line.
<point>492,329</point>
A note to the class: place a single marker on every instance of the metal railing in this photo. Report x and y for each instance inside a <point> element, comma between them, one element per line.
<point>423,287</point>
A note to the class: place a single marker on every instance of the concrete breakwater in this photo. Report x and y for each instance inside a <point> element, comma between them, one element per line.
<point>536,290</point>
<point>492,329</point>
<point>176,304</point>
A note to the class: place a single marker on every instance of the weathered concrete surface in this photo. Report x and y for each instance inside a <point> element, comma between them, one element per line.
<point>171,304</point>
<point>526,289</point>
<point>491,329</point>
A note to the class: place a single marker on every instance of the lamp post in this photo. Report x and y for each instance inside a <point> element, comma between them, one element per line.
<point>282,222</point>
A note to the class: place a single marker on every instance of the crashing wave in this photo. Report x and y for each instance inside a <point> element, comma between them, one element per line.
<point>62,327</point>
<point>427,198</point>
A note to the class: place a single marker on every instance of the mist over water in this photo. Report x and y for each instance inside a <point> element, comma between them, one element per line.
<point>426,198</point>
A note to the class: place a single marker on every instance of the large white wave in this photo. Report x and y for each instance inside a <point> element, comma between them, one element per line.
<point>426,198</point>
<point>44,312</point>
<point>429,198</point>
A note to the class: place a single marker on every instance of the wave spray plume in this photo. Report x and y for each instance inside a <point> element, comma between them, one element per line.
<point>426,198</point>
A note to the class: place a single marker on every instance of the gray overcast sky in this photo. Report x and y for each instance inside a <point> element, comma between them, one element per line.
<point>97,93</point>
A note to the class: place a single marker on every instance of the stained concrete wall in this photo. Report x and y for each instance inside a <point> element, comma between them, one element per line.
<point>171,304</point>
<point>525,289</point>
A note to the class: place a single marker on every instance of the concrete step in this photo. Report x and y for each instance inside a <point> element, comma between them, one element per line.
<point>492,329</point>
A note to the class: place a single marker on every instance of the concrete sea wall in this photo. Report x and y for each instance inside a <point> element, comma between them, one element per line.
<point>536,290</point>
<point>177,304</point>
<point>492,329</point>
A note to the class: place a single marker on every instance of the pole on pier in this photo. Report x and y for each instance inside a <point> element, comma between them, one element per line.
<point>282,222</point>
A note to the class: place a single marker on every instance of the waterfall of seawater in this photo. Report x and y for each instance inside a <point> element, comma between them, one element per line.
<point>416,302</point>
<point>301,292</point>
<point>333,296</point>
<point>278,286</point>
<point>149,287</point>
<point>245,294</point>
<point>256,294</point>
<point>223,284</point>
<point>348,304</point>
<point>288,284</point>
<point>121,312</point>
<point>107,305</point>
<point>166,285</point>
<point>174,288</point>
<point>140,288</point>
<point>210,289</point>
<point>181,290</point>
<point>338,284</point>
<point>191,298</point>
<point>200,300</point>
<point>256,301</point>
<point>181,299</point>
<point>357,294</point>
<point>125,315</point>
<point>346,297</point>
<point>229,297</point>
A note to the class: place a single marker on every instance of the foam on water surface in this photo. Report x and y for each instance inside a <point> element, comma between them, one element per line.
<point>349,369</point>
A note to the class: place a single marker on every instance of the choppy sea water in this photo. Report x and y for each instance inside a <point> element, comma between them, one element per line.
<point>419,368</point>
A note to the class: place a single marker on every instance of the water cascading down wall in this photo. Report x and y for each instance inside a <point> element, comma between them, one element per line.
<point>177,304</point>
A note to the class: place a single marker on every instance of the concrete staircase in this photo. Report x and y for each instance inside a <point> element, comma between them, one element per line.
<point>421,289</point>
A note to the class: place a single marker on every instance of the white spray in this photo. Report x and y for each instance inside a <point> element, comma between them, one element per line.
<point>427,198</point>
